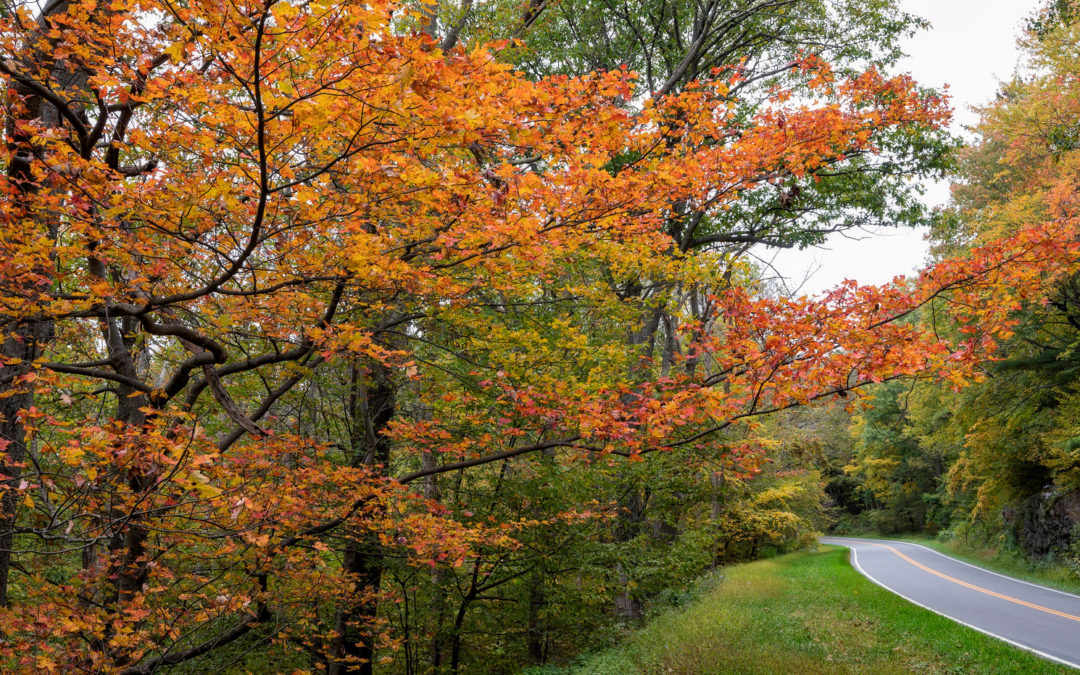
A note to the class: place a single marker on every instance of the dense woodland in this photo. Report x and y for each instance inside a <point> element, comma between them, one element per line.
<point>996,461</point>
<point>431,337</point>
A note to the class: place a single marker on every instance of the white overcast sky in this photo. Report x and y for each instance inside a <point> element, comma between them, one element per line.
<point>971,47</point>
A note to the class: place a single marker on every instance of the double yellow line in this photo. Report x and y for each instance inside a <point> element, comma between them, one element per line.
<point>980,589</point>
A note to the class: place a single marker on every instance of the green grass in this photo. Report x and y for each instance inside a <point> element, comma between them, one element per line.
<point>1013,564</point>
<point>804,613</point>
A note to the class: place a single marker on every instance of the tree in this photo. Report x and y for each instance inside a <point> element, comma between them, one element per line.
<point>1005,438</point>
<point>892,465</point>
<point>239,205</point>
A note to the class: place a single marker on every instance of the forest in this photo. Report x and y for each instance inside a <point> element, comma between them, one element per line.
<point>430,336</point>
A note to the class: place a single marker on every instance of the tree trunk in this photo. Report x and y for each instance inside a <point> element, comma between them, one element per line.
<point>372,405</point>
<point>459,619</point>
<point>441,640</point>
<point>23,343</point>
<point>628,524</point>
<point>354,650</point>
<point>23,340</point>
<point>536,633</point>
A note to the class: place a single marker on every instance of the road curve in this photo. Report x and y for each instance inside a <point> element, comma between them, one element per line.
<point>1036,618</point>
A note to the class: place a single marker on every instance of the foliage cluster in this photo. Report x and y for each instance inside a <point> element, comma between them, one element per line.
<point>342,336</point>
<point>997,463</point>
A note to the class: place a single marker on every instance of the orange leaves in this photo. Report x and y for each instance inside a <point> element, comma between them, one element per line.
<point>299,194</point>
<point>332,151</point>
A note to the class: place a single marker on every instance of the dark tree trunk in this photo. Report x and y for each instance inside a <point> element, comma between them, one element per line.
<point>629,523</point>
<point>459,619</point>
<point>536,632</point>
<point>23,340</point>
<point>355,648</point>
<point>372,405</point>
<point>441,640</point>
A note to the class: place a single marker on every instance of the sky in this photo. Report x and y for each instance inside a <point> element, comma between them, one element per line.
<point>971,47</point>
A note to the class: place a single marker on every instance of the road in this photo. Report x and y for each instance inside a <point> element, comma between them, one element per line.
<point>1040,619</point>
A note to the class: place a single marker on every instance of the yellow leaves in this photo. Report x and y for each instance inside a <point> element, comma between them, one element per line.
<point>284,12</point>
<point>176,50</point>
<point>72,454</point>
<point>68,624</point>
<point>471,118</point>
<point>405,78</point>
<point>257,539</point>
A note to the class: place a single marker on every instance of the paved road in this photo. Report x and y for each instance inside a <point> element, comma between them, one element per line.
<point>1036,618</point>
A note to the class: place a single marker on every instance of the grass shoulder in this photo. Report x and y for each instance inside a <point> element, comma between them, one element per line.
<point>806,613</point>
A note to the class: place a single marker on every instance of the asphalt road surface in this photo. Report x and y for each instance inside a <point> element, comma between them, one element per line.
<point>1032,617</point>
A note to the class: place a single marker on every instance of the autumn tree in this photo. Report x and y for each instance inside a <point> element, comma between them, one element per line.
<point>214,214</point>
<point>673,44</point>
<point>1007,439</point>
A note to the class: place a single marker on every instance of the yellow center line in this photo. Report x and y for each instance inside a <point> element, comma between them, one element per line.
<point>980,589</point>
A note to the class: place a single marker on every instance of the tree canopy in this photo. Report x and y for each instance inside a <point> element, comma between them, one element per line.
<point>311,312</point>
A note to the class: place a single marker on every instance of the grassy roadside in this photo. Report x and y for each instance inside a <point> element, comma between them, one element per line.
<point>1014,565</point>
<point>804,613</point>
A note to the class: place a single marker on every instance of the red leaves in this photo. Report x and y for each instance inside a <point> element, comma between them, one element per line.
<point>347,195</point>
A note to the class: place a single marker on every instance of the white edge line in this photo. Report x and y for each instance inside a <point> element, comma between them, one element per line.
<point>855,564</point>
<point>962,562</point>
<point>997,574</point>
